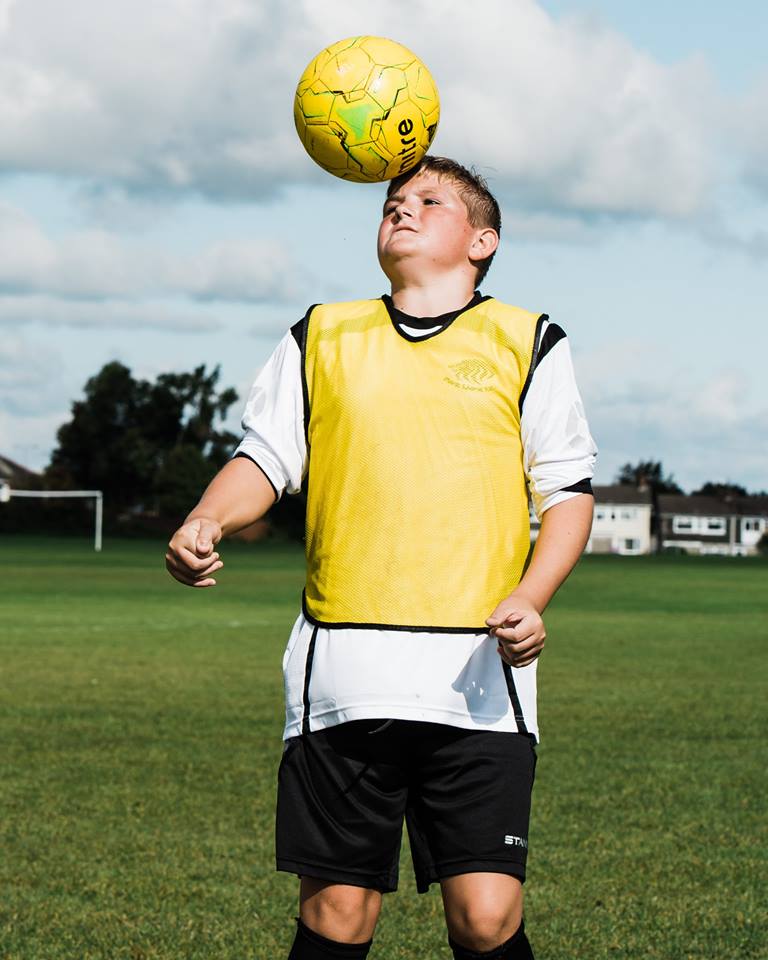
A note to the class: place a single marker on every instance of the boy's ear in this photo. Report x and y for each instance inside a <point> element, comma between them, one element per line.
<point>485,243</point>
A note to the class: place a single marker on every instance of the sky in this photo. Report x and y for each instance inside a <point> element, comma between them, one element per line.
<point>157,207</point>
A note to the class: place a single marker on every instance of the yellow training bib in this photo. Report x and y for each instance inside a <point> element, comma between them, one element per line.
<point>417,513</point>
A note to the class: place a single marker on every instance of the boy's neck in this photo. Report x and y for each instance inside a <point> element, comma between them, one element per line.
<point>432,300</point>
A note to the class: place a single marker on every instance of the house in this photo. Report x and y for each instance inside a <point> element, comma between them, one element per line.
<point>708,525</point>
<point>622,521</point>
<point>14,475</point>
<point>628,523</point>
<point>753,521</point>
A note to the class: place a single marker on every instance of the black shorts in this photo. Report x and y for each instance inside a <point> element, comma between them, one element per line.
<point>343,793</point>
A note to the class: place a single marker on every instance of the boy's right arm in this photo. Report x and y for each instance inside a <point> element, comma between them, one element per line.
<point>237,496</point>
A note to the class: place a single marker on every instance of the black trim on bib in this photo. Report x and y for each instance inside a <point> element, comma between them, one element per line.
<point>581,486</point>
<point>307,678</point>
<point>409,628</point>
<point>553,335</point>
<point>534,359</point>
<point>514,699</point>
<point>247,456</point>
<point>443,321</point>
<point>299,332</point>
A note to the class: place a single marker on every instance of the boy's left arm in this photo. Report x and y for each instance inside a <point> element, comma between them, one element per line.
<point>559,458</point>
<point>516,622</point>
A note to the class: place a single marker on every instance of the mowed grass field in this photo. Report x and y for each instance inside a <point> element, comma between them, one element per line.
<point>140,729</point>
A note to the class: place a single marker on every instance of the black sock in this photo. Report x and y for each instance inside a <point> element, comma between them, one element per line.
<point>516,948</point>
<point>309,945</point>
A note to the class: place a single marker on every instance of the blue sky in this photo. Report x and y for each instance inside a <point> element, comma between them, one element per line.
<point>157,207</point>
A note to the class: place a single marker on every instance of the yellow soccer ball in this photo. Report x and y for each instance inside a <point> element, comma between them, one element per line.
<point>366,109</point>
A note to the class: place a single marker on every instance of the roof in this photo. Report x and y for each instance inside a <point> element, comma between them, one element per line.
<point>755,506</point>
<point>621,493</point>
<point>698,506</point>
<point>13,473</point>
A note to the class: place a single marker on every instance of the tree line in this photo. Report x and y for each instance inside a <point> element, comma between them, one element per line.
<point>650,474</point>
<point>152,446</point>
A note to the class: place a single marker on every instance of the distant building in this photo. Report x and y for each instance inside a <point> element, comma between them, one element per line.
<point>622,520</point>
<point>626,523</point>
<point>707,525</point>
<point>17,476</point>
<point>753,521</point>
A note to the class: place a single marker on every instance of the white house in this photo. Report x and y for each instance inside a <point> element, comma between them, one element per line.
<point>622,521</point>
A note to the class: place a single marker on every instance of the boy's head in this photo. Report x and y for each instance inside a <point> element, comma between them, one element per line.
<point>481,206</point>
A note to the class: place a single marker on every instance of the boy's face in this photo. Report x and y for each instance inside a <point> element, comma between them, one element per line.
<point>425,229</point>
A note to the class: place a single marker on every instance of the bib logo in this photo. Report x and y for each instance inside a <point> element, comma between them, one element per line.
<point>471,375</point>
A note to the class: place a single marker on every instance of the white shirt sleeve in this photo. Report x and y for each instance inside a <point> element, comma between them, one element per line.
<point>274,419</point>
<point>558,448</point>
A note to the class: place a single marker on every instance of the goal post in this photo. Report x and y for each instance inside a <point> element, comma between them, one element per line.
<point>6,492</point>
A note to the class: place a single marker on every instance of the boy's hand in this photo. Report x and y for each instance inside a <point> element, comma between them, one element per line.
<point>519,629</point>
<point>191,558</point>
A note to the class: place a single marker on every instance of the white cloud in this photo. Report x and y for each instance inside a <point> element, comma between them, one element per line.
<point>16,311</point>
<point>24,365</point>
<point>181,96</point>
<point>28,439</point>
<point>99,264</point>
<point>748,130</point>
<point>30,385</point>
<point>645,405</point>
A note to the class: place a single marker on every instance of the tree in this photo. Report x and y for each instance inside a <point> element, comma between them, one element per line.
<point>184,474</point>
<point>723,491</point>
<point>648,473</point>
<point>127,436</point>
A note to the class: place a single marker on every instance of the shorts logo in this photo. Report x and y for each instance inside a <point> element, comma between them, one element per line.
<point>516,841</point>
<point>471,374</point>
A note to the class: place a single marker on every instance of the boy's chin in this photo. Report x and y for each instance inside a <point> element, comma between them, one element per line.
<point>398,267</point>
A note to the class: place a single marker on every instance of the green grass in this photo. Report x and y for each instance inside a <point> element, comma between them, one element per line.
<point>140,734</point>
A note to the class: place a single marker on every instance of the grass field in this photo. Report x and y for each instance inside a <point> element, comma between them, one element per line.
<point>140,734</point>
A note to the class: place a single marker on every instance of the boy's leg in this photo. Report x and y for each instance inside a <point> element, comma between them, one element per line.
<point>341,800</point>
<point>468,825</point>
<point>484,916</point>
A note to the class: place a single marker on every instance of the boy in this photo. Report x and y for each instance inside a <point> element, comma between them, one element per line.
<point>410,674</point>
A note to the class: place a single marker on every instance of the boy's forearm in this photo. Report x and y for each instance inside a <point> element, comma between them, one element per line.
<point>563,535</point>
<point>237,496</point>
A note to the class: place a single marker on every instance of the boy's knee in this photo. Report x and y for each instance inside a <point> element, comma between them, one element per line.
<point>482,930</point>
<point>482,915</point>
<point>338,911</point>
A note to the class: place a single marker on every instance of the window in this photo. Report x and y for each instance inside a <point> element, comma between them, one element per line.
<point>683,524</point>
<point>628,513</point>
<point>752,524</point>
<point>599,514</point>
<point>714,525</point>
<point>631,545</point>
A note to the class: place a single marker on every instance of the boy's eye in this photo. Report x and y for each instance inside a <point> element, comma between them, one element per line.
<point>430,200</point>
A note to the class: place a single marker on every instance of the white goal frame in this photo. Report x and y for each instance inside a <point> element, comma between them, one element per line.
<point>6,492</point>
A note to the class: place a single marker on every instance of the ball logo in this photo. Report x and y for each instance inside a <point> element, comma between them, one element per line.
<point>408,153</point>
<point>473,374</point>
